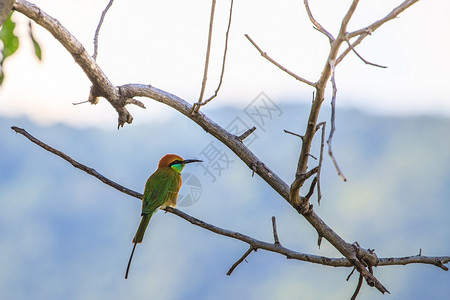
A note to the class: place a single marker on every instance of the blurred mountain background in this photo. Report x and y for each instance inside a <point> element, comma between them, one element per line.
<point>66,235</point>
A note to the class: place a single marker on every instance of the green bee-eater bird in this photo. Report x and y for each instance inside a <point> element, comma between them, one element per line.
<point>161,191</point>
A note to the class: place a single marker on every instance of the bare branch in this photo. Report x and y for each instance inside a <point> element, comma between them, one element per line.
<point>243,257</point>
<point>245,135</point>
<point>76,164</point>
<point>266,56</point>
<point>320,86</point>
<point>101,86</point>
<point>390,16</point>
<point>358,287</point>
<point>351,273</point>
<point>254,164</point>
<point>364,32</point>
<point>275,234</point>
<point>346,20</point>
<point>322,145</point>
<point>316,24</point>
<point>256,244</point>
<point>311,188</point>
<point>362,58</point>
<point>196,106</point>
<point>333,123</point>
<point>436,261</point>
<point>200,103</point>
<point>293,133</point>
<point>97,31</point>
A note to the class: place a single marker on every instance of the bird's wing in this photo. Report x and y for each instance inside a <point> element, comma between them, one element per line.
<point>159,189</point>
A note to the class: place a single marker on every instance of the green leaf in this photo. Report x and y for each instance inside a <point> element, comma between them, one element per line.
<point>10,43</point>
<point>9,39</point>
<point>37,47</point>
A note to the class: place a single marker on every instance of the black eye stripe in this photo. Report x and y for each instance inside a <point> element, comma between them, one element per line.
<point>175,162</point>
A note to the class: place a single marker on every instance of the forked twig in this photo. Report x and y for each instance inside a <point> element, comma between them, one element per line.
<point>200,101</point>
<point>316,24</point>
<point>208,52</point>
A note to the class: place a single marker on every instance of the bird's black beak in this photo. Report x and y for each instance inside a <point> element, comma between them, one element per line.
<point>188,161</point>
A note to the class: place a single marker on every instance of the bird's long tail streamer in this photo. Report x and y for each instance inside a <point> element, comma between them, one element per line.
<point>129,262</point>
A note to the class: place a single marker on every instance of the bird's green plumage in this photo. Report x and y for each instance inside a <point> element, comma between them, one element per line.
<point>161,190</point>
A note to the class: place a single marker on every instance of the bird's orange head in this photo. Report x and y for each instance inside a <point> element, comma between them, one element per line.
<point>174,161</point>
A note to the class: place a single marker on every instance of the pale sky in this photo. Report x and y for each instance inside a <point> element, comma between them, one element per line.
<point>163,43</point>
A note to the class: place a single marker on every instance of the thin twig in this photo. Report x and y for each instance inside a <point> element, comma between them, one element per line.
<point>351,273</point>
<point>266,56</point>
<point>333,123</point>
<point>76,164</point>
<point>97,31</point>
<point>358,287</point>
<point>275,234</point>
<point>208,52</point>
<point>322,145</point>
<point>223,62</point>
<point>82,102</point>
<point>316,24</point>
<point>362,58</point>
<point>311,188</point>
<point>364,32</point>
<point>390,16</point>
<point>243,257</point>
<point>312,156</point>
<point>100,82</point>
<point>245,135</point>
<point>293,133</point>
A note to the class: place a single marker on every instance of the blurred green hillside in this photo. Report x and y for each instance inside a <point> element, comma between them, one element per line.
<point>66,235</point>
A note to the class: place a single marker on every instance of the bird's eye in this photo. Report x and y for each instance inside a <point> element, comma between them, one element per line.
<point>175,162</point>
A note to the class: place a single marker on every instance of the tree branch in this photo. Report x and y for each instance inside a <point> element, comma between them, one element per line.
<point>102,87</point>
<point>253,243</point>
<point>197,105</point>
<point>120,96</point>
<point>364,32</point>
